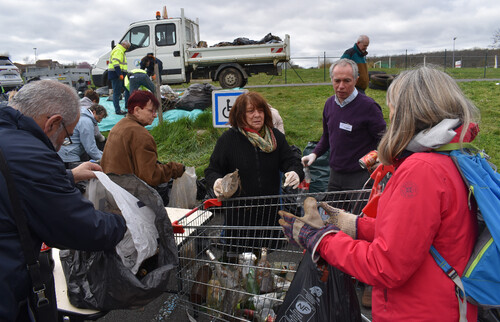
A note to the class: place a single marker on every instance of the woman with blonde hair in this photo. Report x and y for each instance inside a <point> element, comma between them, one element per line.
<point>424,203</point>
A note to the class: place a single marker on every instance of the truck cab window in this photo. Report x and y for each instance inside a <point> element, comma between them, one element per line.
<point>138,37</point>
<point>165,34</point>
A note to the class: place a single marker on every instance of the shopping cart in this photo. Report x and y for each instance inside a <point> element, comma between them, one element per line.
<point>219,285</point>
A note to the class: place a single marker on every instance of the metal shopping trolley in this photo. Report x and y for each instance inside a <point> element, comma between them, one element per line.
<point>234,262</point>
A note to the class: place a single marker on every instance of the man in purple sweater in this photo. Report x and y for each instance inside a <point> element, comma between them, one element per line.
<point>352,126</point>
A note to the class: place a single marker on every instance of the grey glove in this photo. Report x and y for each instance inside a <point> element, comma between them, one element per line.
<point>346,221</point>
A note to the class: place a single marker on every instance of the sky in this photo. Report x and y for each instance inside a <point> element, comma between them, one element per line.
<point>71,31</point>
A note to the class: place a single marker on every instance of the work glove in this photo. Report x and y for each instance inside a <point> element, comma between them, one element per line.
<point>121,77</point>
<point>291,179</point>
<point>225,187</point>
<point>309,159</point>
<point>345,221</point>
<point>306,232</point>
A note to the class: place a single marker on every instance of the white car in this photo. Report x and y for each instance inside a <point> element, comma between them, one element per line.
<point>9,75</point>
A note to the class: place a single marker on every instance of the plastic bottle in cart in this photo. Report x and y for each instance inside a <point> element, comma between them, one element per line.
<point>303,188</point>
<point>199,289</point>
<point>264,276</point>
<point>215,294</point>
<point>304,185</point>
<point>230,279</point>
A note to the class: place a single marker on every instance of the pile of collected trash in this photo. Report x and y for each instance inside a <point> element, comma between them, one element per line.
<point>248,289</point>
<point>268,39</point>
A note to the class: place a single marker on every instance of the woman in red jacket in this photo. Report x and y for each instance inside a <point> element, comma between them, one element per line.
<point>424,203</point>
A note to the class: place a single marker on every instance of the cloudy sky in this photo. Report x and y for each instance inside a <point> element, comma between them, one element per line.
<point>76,31</point>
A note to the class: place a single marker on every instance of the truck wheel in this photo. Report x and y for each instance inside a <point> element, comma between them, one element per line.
<point>230,78</point>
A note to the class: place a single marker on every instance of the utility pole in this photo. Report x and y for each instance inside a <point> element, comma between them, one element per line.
<point>34,48</point>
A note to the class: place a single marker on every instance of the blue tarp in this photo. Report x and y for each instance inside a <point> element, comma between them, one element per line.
<point>168,116</point>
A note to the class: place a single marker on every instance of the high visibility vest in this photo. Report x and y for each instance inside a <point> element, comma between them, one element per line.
<point>126,82</point>
<point>118,58</point>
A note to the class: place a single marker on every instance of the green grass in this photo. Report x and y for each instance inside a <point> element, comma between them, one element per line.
<point>192,142</point>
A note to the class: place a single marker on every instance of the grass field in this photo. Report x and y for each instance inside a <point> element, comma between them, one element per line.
<point>301,108</point>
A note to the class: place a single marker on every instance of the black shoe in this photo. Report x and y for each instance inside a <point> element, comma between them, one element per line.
<point>121,113</point>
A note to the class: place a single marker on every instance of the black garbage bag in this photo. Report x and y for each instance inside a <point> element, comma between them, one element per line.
<point>100,281</point>
<point>320,292</point>
<point>320,169</point>
<point>270,38</point>
<point>197,96</point>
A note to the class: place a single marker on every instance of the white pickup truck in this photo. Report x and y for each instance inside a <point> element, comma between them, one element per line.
<point>175,42</point>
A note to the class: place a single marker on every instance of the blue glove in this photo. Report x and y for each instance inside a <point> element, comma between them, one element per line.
<point>306,232</point>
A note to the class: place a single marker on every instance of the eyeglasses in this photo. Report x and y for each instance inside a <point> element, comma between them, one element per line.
<point>152,111</point>
<point>67,140</point>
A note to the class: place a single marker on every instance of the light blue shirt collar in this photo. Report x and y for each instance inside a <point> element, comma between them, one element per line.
<point>348,99</point>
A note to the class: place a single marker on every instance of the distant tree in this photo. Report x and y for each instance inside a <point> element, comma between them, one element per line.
<point>324,63</point>
<point>84,65</point>
<point>496,39</point>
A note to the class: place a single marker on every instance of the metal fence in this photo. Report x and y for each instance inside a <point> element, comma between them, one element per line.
<point>481,58</point>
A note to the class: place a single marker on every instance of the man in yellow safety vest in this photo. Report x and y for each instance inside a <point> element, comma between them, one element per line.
<point>139,79</point>
<point>117,70</point>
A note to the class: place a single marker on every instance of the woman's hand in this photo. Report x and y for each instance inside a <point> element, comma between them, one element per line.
<point>291,179</point>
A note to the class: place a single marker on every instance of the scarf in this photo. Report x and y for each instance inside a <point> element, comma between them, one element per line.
<point>267,142</point>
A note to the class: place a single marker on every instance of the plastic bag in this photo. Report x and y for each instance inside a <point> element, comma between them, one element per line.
<point>100,280</point>
<point>319,292</point>
<point>320,169</point>
<point>197,96</point>
<point>139,241</point>
<point>183,193</point>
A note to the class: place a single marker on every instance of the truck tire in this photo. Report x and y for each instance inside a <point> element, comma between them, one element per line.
<point>381,80</point>
<point>230,78</point>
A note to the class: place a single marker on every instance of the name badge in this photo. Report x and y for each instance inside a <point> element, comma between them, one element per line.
<point>345,126</point>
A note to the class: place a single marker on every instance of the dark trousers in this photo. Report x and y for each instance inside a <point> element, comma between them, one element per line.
<point>341,181</point>
<point>118,88</point>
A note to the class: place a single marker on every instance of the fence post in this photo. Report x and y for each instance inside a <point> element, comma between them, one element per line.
<point>285,70</point>
<point>324,66</point>
<point>445,60</point>
<point>485,63</point>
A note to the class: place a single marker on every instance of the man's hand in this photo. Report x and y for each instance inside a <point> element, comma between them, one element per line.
<point>291,179</point>
<point>85,171</point>
<point>121,77</point>
<point>309,159</point>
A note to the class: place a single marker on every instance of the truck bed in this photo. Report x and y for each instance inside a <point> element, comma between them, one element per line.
<point>259,53</point>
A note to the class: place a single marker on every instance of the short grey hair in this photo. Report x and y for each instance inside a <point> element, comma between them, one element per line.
<point>125,43</point>
<point>345,62</point>
<point>48,97</point>
<point>362,38</point>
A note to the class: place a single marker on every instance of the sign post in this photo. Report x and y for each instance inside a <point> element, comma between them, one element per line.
<point>222,102</point>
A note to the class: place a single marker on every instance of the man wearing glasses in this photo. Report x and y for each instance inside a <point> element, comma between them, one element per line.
<point>131,149</point>
<point>32,129</point>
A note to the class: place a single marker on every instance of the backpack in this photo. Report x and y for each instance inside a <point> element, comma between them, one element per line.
<point>480,281</point>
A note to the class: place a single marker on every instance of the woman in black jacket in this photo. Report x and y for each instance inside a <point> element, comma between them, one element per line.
<point>259,152</point>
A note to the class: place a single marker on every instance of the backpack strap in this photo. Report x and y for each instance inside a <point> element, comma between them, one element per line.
<point>33,265</point>
<point>453,275</point>
<point>456,146</point>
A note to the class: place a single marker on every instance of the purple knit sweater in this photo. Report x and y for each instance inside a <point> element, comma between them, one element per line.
<point>350,132</point>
